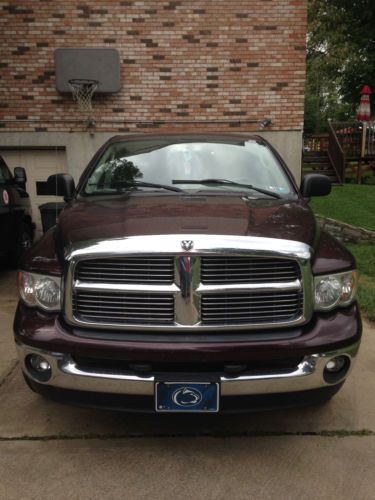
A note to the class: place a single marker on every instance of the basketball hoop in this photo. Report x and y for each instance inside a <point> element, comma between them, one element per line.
<point>83,91</point>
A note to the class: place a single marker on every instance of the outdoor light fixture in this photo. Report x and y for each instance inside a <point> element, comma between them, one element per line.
<point>266,122</point>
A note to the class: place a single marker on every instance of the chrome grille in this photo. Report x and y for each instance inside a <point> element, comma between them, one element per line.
<point>248,270</point>
<point>251,307</point>
<point>226,283</point>
<point>126,270</point>
<point>123,308</point>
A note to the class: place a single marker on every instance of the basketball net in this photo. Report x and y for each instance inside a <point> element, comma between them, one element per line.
<point>83,91</point>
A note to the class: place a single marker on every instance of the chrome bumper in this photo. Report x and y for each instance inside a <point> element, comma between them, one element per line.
<point>66,374</point>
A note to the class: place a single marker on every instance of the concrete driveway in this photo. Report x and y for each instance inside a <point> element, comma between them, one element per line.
<point>49,450</point>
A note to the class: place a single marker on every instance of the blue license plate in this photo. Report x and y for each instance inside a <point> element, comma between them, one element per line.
<point>197,397</point>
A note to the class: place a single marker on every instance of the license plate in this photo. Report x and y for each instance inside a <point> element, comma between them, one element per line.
<point>196,397</point>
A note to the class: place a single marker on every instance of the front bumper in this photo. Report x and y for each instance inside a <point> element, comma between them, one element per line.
<point>265,378</point>
<point>67,374</point>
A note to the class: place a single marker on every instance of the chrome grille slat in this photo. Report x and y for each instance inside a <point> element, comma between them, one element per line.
<point>121,297</point>
<point>110,304</point>
<point>125,272</point>
<point>238,273</point>
<point>211,310</point>
<point>247,269</point>
<point>140,279</point>
<point>123,316</point>
<point>124,303</point>
<point>249,265</point>
<point>254,316</point>
<point>249,313</point>
<point>262,298</point>
<point>152,261</point>
<point>251,308</point>
<point>253,280</point>
<point>240,261</point>
<point>124,262</point>
<point>123,308</point>
<point>156,270</point>
<point>83,305</point>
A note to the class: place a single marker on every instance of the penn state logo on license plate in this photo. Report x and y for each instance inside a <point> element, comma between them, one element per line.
<point>187,396</point>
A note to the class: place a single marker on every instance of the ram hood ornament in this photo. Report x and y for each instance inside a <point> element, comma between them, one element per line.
<point>187,244</point>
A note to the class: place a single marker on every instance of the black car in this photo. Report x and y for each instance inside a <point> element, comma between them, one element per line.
<point>16,226</point>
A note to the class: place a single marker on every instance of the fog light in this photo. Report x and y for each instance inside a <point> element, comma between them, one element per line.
<point>38,367</point>
<point>335,364</point>
<point>336,369</point>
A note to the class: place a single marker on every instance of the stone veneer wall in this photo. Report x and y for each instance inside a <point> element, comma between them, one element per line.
<point>345,232</point>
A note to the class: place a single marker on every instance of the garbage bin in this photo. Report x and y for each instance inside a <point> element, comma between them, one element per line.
<point>49,213</point>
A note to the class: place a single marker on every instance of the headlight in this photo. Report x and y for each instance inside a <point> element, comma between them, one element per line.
<point>37,290</point>
<point>334,290</point>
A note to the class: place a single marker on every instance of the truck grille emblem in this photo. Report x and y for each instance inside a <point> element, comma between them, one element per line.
<point>187,244</point>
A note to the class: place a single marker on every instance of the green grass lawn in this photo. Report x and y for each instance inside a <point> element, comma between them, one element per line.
<point>351,203</point>
<point>365,257</point>
<point>355,205</point>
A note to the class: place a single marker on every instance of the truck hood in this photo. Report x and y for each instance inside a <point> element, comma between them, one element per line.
<point>149,214</point>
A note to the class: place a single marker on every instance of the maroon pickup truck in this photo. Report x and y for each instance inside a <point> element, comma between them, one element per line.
<point>187,274</point>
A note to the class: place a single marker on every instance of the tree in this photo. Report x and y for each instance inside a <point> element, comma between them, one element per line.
<point>340,59</point>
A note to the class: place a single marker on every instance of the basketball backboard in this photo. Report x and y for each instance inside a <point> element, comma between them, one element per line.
<point>101,64</point>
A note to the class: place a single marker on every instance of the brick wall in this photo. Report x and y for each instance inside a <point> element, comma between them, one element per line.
<point>226,62</point>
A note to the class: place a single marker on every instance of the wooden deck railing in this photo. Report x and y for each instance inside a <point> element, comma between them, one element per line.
<point>357,140</point>
<point>349,135</point>
<point>345,142</point>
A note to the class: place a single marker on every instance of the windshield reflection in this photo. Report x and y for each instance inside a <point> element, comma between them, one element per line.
<point>249,162</point>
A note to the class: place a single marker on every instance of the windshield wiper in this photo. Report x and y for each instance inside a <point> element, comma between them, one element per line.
<point>160,186</point>
<point>136,184</point>
<point>226,182</point>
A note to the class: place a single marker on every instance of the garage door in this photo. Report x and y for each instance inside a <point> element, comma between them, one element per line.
<point>39,164</point>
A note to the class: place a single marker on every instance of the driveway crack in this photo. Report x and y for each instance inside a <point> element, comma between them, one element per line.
<point>340,433</point>
<point>9,374</point>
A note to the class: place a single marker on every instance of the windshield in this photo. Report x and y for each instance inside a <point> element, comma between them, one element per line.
<point>154,165</point>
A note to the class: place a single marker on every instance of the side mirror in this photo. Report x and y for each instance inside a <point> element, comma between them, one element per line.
<point>315,185</point>
<point>20,177</point>
<point>61,185</point>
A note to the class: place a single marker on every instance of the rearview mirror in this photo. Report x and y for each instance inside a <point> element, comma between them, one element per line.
<point>61,185</point>
<point>20,177</point>
<point>315,185</point>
